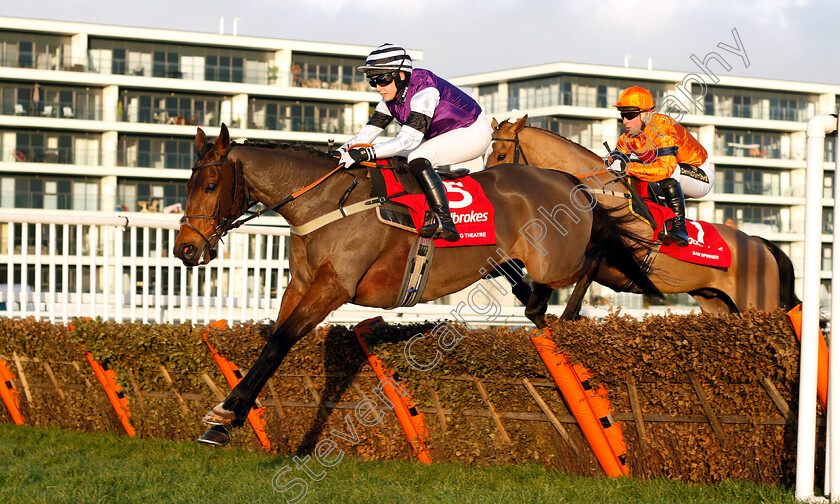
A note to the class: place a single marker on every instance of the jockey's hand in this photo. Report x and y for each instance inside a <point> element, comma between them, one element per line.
<point>617,162</point>
<point>357,155</point>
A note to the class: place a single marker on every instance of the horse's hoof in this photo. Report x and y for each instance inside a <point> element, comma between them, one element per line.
<point>219,416</point>
<point>215,436</point>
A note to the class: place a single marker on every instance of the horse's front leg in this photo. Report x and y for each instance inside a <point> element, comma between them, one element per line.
<point>324,295</point>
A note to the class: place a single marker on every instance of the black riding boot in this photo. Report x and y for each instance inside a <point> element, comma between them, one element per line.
<point>675,200</point>
<point>435,193</point>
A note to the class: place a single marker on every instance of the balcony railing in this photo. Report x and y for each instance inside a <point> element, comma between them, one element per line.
<point>49,201</point>
<point>41,60</point>
<point>58,155</point>
<point>141,159</point>
<point>308,125</point>
<point>31,108</point>
<point>332,81</point>
<point>169,116</point>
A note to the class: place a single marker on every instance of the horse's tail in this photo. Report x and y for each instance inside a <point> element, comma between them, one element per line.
<point>787,296</point>
<point>621,246</point>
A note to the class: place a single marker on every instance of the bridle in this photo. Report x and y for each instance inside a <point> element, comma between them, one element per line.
<point>517,147</point>
<point>241,204</point>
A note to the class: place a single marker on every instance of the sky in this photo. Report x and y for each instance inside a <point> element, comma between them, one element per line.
<point>783,39</point>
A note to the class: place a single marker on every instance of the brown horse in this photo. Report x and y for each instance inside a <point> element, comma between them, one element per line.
<point>761,275</point>
<point>357,259</point>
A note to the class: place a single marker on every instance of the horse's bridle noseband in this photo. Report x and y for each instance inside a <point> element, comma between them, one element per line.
<point>517,147</point>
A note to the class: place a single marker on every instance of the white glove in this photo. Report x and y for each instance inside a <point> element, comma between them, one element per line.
<point>618,167</point>
<point>357,155</point>
<point>346,159</point>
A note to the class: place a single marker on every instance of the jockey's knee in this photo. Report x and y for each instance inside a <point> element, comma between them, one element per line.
<point>417,165</point>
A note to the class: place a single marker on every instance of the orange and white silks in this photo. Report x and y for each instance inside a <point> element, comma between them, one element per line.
<point>411,421</point>
<point>233,376</point>
<point>108,379</point>
<point>8,392</point>
<point>590,408</point>
<point>795,316</point>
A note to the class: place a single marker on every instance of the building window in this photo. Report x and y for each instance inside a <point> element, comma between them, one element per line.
<point>296,116</point>
<point>748,181</point>
<point>165,64</point>
<point>223,69</point>
<point>155,152</point>
<point>489,99</point>
<point>587,133</point>
<point>826,258</point>
<point>328,72</point>
<point>572,90</point>
<point>759,220</point>
<point>36,147</point>
<point>169,109</point>
<point>50,193</point>
<point>779,106</point>
<point>168,196</point>
<point>179,61</point>
<point>755,144</point>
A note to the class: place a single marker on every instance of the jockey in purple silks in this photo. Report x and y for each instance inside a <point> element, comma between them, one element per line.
<point>440,125</point>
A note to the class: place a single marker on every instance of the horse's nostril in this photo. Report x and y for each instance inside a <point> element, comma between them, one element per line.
<point>186,249</point>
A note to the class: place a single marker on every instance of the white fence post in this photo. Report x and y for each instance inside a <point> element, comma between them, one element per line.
<point>818,127</point>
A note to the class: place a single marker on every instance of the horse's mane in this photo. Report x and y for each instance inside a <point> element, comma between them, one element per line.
<point>276,145</point>
<point>558,136</point>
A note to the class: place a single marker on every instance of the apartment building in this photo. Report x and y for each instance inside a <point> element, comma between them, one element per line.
<point>754,130</point>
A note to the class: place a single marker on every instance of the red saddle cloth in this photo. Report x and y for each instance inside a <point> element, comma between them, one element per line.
<point>705,245</point>
<point>471,211</point>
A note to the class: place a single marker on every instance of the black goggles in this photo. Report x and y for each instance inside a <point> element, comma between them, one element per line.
<point>630,115</point>
<point>381,80</point>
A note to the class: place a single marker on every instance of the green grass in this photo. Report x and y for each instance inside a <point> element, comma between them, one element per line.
<point>56,466</point>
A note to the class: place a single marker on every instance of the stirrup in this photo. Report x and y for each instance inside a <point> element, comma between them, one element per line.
<point>667,238</point>
<point>439,230</point>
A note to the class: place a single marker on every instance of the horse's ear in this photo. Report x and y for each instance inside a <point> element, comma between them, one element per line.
<point>494,123</point>
<point>200,140</point>
<point>223,141</point>
<point>518,125</point>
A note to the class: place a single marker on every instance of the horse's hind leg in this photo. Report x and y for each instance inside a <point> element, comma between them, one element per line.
<point>538,304</point>
<point>512,271</point>
<point>324,295</point>
<point>573,306</point>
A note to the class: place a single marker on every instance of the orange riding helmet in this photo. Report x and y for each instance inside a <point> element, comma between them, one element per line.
<point>635,98</point>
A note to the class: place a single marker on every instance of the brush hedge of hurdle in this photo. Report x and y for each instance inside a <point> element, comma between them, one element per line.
<point>699,398</point>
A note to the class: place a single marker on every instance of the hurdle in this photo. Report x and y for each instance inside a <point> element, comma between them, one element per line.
<point>818,127</point>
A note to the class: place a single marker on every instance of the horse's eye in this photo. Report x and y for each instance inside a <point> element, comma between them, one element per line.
<point>501,157</point>
<point>210,188</point>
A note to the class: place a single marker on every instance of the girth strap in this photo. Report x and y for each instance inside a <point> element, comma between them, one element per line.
<point>319,222</point>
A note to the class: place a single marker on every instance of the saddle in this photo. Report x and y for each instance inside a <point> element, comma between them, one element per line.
<point>393,213</point>
<point>706,246</point>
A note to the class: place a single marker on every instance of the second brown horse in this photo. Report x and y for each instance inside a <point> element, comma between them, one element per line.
<point>761,275</point>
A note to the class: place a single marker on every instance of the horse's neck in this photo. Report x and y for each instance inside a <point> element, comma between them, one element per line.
<point>562,155</point>
<point>272,175</point>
